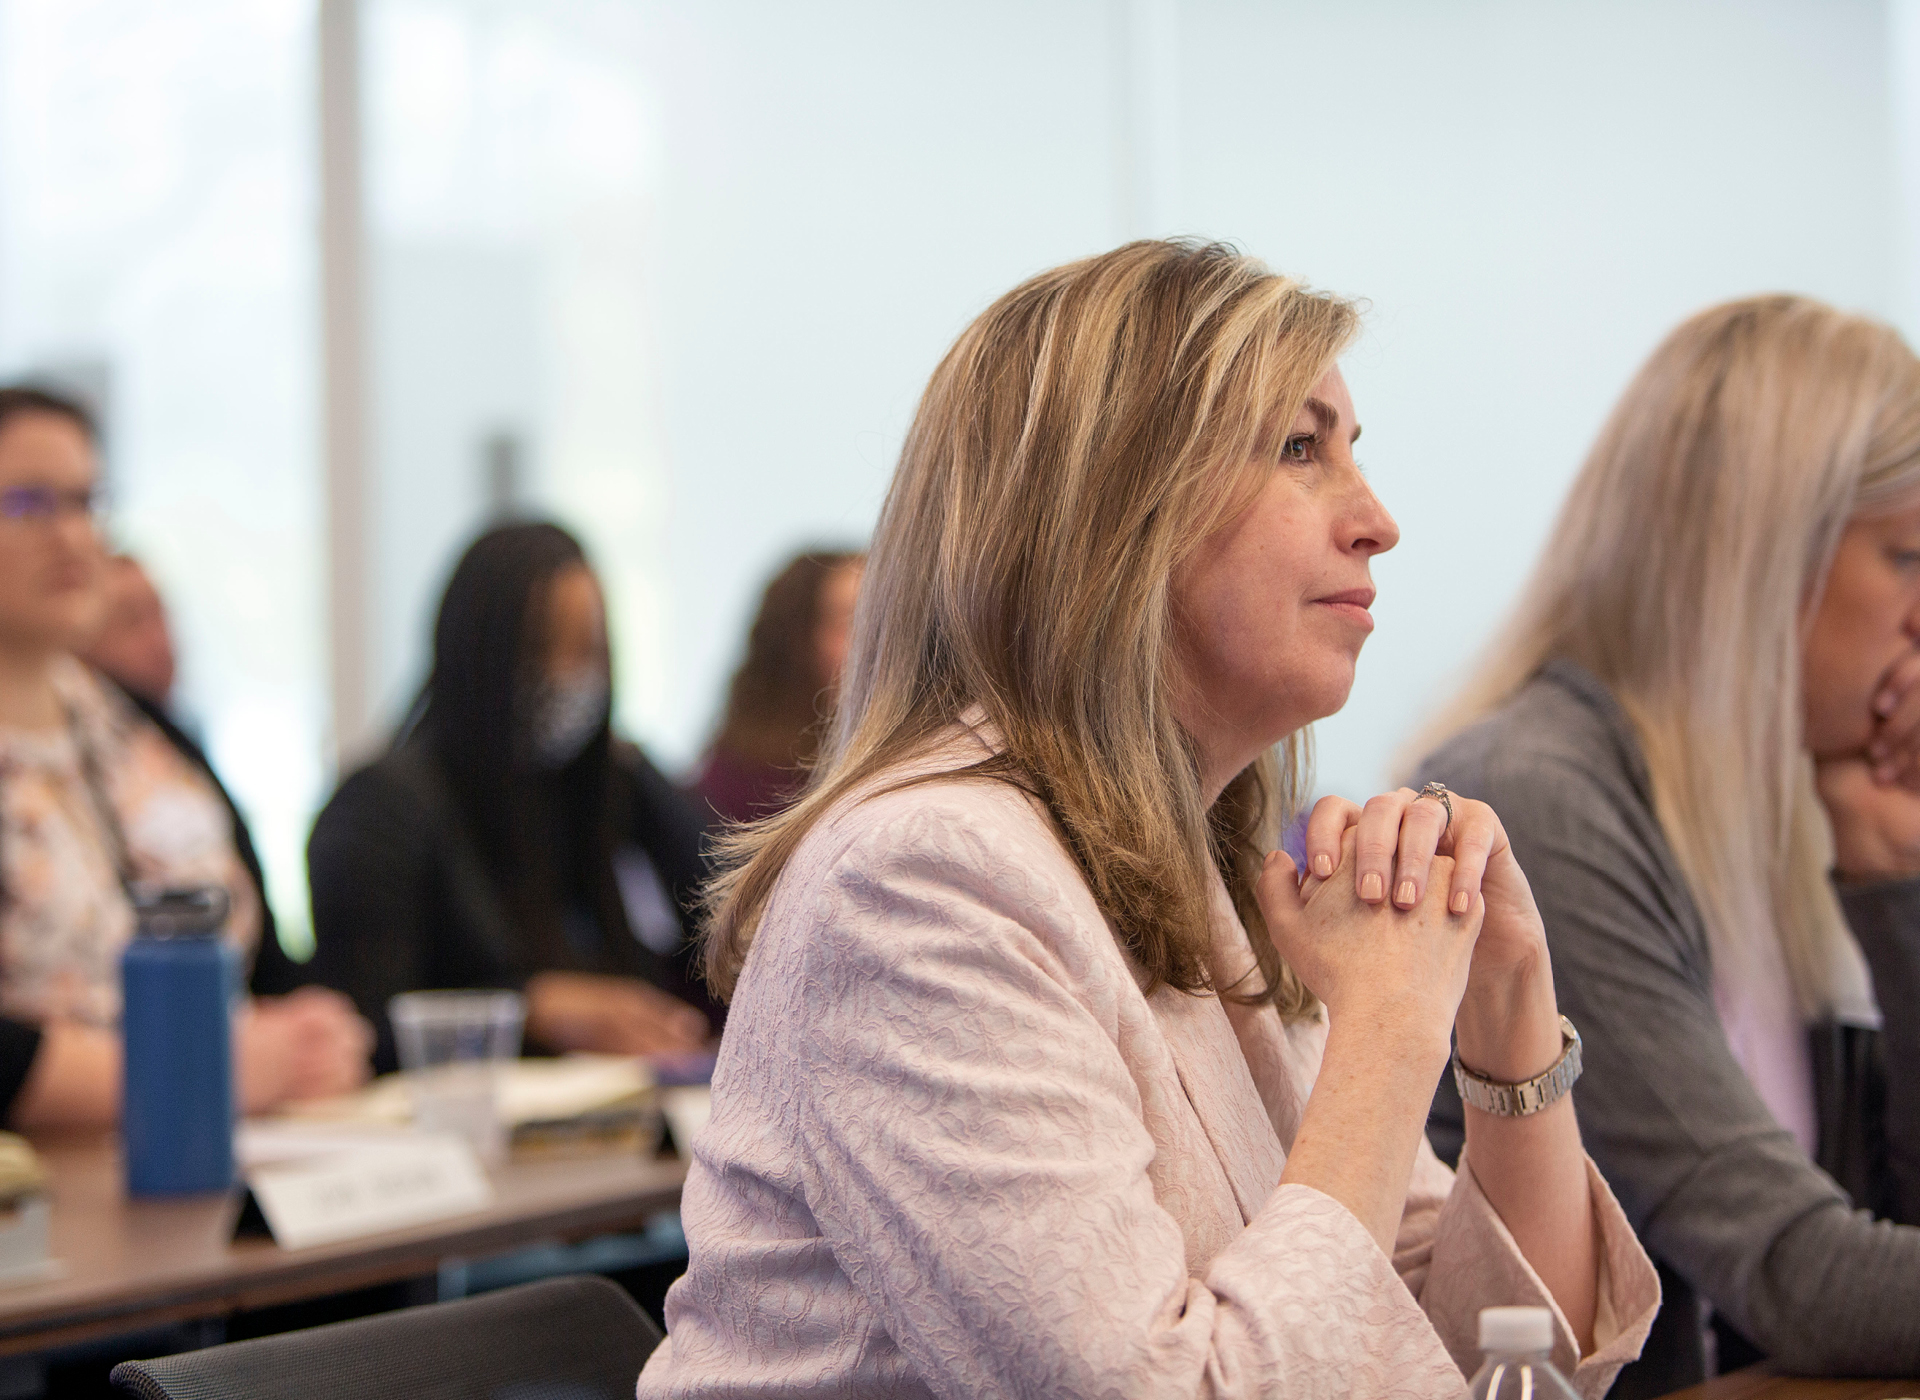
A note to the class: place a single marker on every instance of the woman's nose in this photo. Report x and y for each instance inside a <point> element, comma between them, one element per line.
<point>76,532</point>
<point>1372,530</point>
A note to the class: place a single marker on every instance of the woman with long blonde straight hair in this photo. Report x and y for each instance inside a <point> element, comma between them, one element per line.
<point>1022,1091</point>
<point>1701,727</point>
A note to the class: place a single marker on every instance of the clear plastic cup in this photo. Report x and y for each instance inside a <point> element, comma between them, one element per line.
<point>451,1045</point>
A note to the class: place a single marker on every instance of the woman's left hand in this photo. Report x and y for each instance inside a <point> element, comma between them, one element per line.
<point>1893,749</point>
<point>1876,824</point>
<point>1873,799</point>
<point>1399,833</point>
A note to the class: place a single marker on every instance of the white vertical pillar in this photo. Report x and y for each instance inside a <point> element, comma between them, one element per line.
<point>1903,84</point>
<point>1147,126</point>
<point>343,333</point>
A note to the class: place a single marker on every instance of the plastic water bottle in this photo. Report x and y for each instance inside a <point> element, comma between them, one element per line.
<point>1517,1342</point>
<point>180,979</point>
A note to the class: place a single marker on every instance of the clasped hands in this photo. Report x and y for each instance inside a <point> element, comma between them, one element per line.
<point>1417,927</point>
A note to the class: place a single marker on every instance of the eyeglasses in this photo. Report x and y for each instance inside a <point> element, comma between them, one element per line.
<point>42,505</point>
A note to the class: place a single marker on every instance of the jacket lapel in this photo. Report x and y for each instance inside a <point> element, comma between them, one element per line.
<point>1283,1060</point>
<point>1220,1087</point>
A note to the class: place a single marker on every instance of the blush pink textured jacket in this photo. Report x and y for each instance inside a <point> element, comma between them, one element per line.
<point>955,1152</point>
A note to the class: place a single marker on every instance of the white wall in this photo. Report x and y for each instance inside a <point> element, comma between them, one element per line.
<point>847,185</point>
<point>1528,193</point>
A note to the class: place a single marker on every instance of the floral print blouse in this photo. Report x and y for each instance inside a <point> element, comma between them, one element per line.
<point>103,796</point>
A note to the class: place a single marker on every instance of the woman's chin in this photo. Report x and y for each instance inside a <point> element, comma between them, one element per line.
<point>1311,706</point>
<point>1331,687</point>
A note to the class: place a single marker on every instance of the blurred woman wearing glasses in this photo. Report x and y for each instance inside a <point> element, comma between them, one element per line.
<point>93,798</point>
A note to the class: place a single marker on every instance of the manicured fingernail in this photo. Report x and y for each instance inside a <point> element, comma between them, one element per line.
<point>1460,901</point>
<point>1404,895</point>
<point>1371,887</point>
<point>1323,865</point>
<point>1272,856</point>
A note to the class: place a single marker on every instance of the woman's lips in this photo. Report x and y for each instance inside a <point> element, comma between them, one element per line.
<point>1352,605</point>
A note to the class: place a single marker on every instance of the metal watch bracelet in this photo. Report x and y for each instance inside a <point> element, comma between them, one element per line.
<point>1530,1095</point>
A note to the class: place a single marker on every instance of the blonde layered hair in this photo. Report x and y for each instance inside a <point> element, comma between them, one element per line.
<point>1078,442</point>
<point>1683,570</point>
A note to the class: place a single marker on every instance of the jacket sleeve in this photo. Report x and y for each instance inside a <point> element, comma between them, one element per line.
<point>1457,1256</point>
<point>974,1153</point>
<point>1713,1184</point>
<point>369,868</point>
<point>1885,918</point>
<point>666,825</point>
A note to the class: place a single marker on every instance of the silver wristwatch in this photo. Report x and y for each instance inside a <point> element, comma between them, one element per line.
<point>1530,1095</point>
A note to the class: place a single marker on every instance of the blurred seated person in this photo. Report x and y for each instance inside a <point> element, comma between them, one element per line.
<point>134,645</point>
<point>133,648</point>
<point>782,693</point>
<point>508,839</point>
<point>93,798</point>
<point>1702,727</point>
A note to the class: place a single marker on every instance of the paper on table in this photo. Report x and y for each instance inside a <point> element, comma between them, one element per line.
<point>540,1091</point>
<point>530,1091</point>
<point>260,1142</point>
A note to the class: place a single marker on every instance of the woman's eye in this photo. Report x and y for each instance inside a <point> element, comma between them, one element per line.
<point>1298,448</point>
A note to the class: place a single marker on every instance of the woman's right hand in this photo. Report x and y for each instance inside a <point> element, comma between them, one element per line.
<point>1402,970</point>
<point>610,1016</point>
<point>1392,979</point>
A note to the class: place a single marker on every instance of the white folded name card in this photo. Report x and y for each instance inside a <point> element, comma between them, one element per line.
<point>368,1189</point>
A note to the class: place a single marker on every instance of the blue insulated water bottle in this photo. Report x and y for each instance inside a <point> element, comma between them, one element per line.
<point>180,979</point>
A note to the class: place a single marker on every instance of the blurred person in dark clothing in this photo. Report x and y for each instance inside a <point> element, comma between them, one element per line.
<point>783,692</point>
<point>508,839</point>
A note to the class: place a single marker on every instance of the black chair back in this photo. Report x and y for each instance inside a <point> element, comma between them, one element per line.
<point>576,1338</point>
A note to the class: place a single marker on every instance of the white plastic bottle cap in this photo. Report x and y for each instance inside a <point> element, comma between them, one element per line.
<point>1516,1329</point>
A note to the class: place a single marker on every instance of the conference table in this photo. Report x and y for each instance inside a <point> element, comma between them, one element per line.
<point>1764,1383</point>
<point>125,1265</point>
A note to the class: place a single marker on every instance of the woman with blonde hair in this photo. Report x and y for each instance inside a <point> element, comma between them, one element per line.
<point>1701,728</point>
<point>1042,1076</point>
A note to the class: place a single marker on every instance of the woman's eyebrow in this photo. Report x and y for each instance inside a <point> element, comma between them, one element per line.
<point>1326,417</point>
